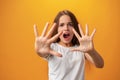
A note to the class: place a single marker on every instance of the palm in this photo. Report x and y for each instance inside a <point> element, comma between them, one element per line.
<point>86,41</point>
<point>42,46</point>
<point>43,42</point>
<point>86,44</point>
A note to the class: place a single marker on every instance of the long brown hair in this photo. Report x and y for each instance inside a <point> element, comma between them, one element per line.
<point>74,21</point>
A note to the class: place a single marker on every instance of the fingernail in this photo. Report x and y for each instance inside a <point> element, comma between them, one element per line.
<point>60,55</point>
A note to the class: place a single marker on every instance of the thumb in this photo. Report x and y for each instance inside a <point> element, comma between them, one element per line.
<point>55,53</point>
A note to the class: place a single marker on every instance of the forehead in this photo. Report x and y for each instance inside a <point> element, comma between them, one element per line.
<point>64,19</point>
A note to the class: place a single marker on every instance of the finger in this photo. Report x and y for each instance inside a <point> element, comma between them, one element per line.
<point>51,31</point>
<point>54,38</point>
<point>45,29</point>
<point>76,34</point>
<point>55,53</point>
<point>83,49</point>
<point>80,29</point>
<point>74,49</point>
<point>87,31</point>
<point>93,33</point>
<point>35,30</point>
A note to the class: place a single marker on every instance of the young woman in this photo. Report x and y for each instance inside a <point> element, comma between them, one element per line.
<point>66,48</point>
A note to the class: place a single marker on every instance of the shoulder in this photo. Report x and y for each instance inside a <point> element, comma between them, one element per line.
<point>53,45</point>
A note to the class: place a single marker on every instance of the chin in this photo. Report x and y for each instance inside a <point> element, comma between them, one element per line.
<point>67,42</point>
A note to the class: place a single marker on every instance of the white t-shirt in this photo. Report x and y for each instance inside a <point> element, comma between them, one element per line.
<point>68,67</point>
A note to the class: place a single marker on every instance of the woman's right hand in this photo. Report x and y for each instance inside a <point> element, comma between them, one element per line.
<point>43,42</point>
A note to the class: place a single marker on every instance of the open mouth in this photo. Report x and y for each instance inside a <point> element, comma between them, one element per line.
<point>66,35</point>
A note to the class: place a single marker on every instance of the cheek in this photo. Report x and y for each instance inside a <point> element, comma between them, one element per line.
<point>71,32</point>
<point>59,29</point>
<point>72,35</point>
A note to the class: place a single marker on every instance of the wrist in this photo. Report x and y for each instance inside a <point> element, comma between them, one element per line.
<point>91,51</point>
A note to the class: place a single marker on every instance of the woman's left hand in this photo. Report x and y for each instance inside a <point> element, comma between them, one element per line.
<point>85,40</point>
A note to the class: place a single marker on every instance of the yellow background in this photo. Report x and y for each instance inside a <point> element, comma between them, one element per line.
<point>18,60</point>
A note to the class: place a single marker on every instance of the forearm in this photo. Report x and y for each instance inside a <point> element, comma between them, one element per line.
<point>94,57</point>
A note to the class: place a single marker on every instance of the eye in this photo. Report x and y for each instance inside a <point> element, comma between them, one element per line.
<point>61,24</point>
<point>70,24</point>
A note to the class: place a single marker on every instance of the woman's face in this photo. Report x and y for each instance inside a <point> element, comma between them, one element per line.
<point>65,25</point>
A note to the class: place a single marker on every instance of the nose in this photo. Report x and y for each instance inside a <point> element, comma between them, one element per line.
<point>66,27</point>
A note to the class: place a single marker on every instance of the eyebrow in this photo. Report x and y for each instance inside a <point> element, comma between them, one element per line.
<point>70,22</point>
